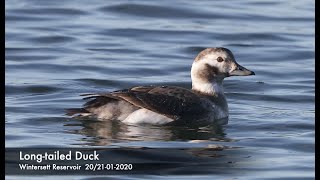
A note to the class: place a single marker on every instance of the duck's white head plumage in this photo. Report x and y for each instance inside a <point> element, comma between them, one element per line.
<point>211,66</point>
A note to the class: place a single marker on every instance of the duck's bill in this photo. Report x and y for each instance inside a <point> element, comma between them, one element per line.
<point>241,71</point>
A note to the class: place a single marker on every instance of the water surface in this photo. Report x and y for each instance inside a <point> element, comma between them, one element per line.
<point>56,50</point>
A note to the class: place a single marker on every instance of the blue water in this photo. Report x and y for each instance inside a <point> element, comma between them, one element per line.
<point>56,50</point>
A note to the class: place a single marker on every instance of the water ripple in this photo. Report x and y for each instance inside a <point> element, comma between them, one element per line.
<point>56,50</point>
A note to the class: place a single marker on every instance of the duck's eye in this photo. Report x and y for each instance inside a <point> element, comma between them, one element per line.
<point>219,59</point>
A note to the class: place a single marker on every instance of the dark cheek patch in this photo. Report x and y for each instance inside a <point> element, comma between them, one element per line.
<point>209,72</point>
<point>213,70</point>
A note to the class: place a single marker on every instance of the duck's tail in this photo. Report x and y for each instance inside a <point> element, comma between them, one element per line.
<point>73,111</point>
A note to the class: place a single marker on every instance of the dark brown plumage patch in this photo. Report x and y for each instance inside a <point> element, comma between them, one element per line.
<point>209,72</point>
<point>170,101</point>
<point>173,102</point>
<point>95,101</point>
<point>73,111</point>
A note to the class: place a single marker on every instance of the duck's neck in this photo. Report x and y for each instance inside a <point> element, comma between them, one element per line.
<point>211,88</point>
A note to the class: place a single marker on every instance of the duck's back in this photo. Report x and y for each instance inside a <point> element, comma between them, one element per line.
<point>171,102</point>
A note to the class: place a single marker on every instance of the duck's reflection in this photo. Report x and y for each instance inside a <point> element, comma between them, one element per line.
<point>102,133</point>
<point>208,157</point>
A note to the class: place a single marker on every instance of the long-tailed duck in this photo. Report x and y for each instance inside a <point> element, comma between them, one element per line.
<point>169,104</point>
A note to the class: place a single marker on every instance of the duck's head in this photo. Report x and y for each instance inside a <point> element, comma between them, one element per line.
<point>212,65</point>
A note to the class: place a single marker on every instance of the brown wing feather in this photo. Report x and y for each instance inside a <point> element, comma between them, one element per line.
<point>173,102</point>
